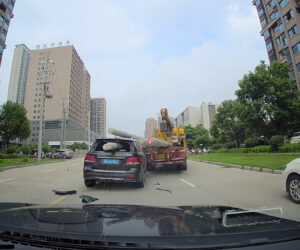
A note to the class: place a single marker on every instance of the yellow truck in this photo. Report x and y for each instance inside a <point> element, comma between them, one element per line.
<point>173,156</point>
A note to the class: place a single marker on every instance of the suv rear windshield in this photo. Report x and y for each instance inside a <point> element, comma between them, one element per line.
<point>125,145</point>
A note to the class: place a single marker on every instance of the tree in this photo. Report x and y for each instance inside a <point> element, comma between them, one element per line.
<point>196,136</point>
<point>270,101</point>
<point>227,125</point>
<point>13,122</point>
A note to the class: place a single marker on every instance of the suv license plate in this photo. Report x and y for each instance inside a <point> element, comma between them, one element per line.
<point>110,161</point>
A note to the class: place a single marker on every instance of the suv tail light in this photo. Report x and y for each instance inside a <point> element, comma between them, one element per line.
<point>133,160</point>
<point>89,158</point>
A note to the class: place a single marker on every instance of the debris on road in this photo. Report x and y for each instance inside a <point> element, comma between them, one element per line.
<point>156,184</point>
<point>58,192</point>
<point>167,190</point>
<point>87,199</point>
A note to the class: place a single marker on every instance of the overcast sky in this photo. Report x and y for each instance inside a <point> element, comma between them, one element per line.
<point>145,55</point>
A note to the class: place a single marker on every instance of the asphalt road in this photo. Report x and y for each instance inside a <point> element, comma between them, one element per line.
<point>202,184</point>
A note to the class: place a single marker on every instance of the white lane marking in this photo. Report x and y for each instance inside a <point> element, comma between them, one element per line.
<point>50,170</point>
<point>7,179</point>
<point>188,183</point>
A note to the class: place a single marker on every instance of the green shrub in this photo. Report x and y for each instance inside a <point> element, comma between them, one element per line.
<point>216,146</point>
<point>25,150</point>
<point>46,149</point>
<point>13,149</point>
<point>25,160</point>
<point>230,144</point>
<point>10,156</point>
<point>286,148</point>
<point>276,141</point>
<point>260,149</point>
<point>251,142</point>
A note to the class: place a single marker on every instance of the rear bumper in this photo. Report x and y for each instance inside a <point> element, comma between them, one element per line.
<point>173,163</point>
<point>132,175</point>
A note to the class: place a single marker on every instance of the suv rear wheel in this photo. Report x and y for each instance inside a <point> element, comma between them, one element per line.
<point>89,183</point>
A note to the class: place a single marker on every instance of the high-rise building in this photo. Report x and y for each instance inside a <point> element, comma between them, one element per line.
<point>208,112</point>
<point>6,14</point>
<point>280,22</point>
<point>98,116</point>
<point>189,116</point>
<point>194,116</point>
<point>18,74</point>
<point>62,72</point>
<point>150,125</point>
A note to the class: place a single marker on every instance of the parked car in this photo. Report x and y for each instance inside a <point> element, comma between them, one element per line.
<point>291,180</point>
<point>63,154</point>
<point>295,138</point>
<point>115,159</point>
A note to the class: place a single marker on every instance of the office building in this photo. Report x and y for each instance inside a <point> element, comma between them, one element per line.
<point>6,14</point>
<point>208,112</point>
<point>280,22</point>
<point>150,125</point>
<point>194,116</point>
<point>98,116</point>
<point>18,74</point>
<point>190,116</point>
<point>60,73</point>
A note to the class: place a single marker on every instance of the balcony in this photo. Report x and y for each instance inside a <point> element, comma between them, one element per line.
<point>268,26</point>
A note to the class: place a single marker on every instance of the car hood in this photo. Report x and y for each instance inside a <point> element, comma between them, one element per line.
<point>99,222</point>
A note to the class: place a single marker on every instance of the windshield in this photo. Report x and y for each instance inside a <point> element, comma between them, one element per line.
<point>162,103</point>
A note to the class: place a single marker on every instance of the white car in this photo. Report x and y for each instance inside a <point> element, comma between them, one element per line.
<point>291,180</point>
<point>295,138</point>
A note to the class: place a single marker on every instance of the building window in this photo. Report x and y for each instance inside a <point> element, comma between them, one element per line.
<point>298,67</point>
<point>257,3</point>
<point>278,40</point>
<point>293,31</point>
<point>288,16</point>
<point>8,16</point>
<point>288,58</point>
<point>3,37</point>
<point>1,48</point>
<point>283,3</point>
<point>269,46</point>
<point>274,15</point>
<point>5,26</point>
<point>292,75</point>
<point>263,23</point>
<point>285,42</point>
<point>261,12</point>
<point>280,27</point>
<point>296,48</point>
<point>11,7</point>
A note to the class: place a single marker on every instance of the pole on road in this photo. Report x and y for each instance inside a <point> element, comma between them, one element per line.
<point>45,95</point>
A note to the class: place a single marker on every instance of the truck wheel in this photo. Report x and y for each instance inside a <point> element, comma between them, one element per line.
<point>183,167</point>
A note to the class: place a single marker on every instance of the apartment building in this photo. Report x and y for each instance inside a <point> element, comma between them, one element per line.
<point>280,21</point>
<point>98,116</point>
<point>18,74</point>
<point>6,14</point>
<point>150,125</point>
<point>57,74</point>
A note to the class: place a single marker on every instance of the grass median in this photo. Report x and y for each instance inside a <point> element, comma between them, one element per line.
<point>263,160</point>
<point>23,161</point>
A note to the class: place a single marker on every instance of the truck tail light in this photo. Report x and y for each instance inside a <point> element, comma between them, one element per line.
<point>133,160</point>
<point>89,158</point>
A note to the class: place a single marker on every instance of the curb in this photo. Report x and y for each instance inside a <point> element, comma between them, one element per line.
<point>24,166</point>
<point>256,169</point>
